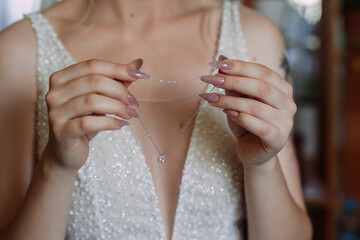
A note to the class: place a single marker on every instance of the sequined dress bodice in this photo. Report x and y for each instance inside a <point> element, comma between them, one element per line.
<point>114,195</point>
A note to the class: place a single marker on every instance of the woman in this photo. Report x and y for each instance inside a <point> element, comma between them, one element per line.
<point>182,169</point>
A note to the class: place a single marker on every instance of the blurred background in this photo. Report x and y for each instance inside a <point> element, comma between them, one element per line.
<point>323,48</point>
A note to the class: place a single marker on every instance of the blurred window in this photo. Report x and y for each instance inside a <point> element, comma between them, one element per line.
<point>13,10</point>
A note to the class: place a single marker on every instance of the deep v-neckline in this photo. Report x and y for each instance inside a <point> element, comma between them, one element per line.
<point>137,144</point>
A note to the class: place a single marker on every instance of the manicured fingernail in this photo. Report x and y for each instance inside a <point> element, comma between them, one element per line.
<point>222,58</point>
<point>210,97</point>
<point>133,100</point>
<point>137,74</point>
<point>132,112</point>
<point>137,63</point>
<point>231,113</point>
<point>221,65</point>
<point>121,122</point>
<point>216,80</point>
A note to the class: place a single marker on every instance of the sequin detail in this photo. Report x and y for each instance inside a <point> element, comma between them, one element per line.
<point>114,195</point>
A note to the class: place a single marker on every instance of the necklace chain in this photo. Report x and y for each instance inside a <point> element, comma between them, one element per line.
<point>161,158</point>
<point>187,81</point>
<point>172,99</point>
<point>173,82</point>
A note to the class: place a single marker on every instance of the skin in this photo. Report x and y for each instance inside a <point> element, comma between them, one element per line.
<point>37,196</point>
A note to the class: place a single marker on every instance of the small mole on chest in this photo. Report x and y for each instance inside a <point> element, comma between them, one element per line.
<point>131,15</point>
<point>181,125</point>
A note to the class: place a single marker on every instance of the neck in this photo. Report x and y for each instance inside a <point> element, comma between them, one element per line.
<point>145,11</point>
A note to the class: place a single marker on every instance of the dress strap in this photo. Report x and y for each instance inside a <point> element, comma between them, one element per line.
<point>51,57</point>
<point>232,41</point>
<point>43,35</point>
<point>49,44</point>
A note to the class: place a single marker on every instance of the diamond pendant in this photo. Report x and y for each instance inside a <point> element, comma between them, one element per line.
<point>161,159</point>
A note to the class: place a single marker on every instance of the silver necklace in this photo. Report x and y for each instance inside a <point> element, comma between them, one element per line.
<point>172,82</point>
<point>172,99</point>
<point>162,159</point>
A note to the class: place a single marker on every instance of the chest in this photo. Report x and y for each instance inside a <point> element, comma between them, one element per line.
<point>168,55</point>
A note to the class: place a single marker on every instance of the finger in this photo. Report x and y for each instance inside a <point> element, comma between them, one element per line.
<point>92,104</point>
<point>252,70</point>
<point>116,71</point>
<point>81,126</point>
<point>253,88</point>
<point>268,133</point>
<point>254,108</point>
<point>91,84</point>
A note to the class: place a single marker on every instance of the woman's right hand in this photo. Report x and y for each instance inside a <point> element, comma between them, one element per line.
<point>79,96</point>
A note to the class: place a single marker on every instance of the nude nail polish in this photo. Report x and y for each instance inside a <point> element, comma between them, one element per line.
<point>137,63</point>
<point>137,74</point>
<point>222,58</point>
<point>221,65</point>
<point>210,97</point>
<point>132,112</point>
<point>121,122</point>
<point>133,100</point>
<point>216,80</point>
<point>231,113</point>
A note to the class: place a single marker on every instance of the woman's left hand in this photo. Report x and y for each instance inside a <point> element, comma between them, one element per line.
<point>259,104</point>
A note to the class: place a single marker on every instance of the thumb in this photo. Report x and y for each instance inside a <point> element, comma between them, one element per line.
<point>137,63</point>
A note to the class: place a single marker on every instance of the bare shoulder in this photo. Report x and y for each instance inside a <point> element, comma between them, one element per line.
<point>18,56</point>
<point>257,24</point>
<point>263,37</point>
<point>17,114</point>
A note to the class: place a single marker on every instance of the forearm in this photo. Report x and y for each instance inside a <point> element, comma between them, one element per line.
<point>271,211</point>
<point>45,209</point>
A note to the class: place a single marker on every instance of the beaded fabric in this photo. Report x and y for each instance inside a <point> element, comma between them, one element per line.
<point>114,195</point>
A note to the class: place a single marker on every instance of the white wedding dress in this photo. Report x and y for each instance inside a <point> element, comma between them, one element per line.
<point>114,196</point>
